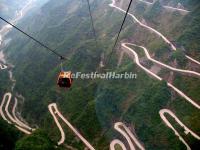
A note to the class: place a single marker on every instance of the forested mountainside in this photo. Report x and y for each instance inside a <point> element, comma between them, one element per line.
<point>93,106</point>
<point>9,8</point>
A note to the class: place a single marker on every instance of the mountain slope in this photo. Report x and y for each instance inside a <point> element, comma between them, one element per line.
<point>94,105</point>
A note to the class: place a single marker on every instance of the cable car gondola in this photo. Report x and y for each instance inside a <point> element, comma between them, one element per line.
<point>65,79</point>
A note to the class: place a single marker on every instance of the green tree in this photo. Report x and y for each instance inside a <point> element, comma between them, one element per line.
<point>8,136</point>
<point>179,56</point>
<point>154,11</point>
<point>39,140</point>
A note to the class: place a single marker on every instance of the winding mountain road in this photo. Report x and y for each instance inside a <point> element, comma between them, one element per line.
<point>3,67</point>
<point>124,45</point>
<point>164,65</point>
<point>118,126</point>
<point>162,113</point>
<point>20,123</point>
<point>1,107</point>
<point>131,51</point>
<point>55,112</point>
<point>62,139</point>
<point>187,130</point>
<point>13,120</point>
<point>133,142</point>
<point>193,60</point>
<point>2,60</point>
<point>136,58</point>
<point>117,142</point>
<point>167,7</point>
<point>113,5</point>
